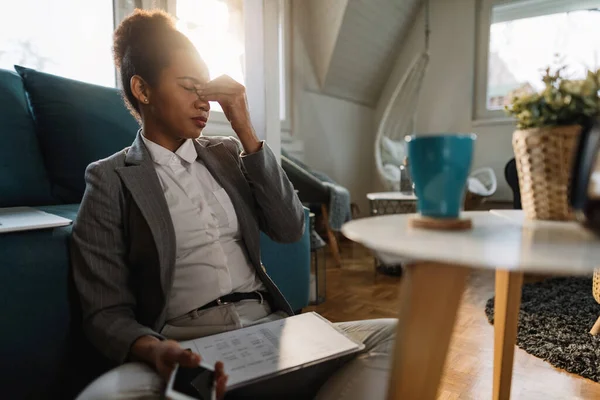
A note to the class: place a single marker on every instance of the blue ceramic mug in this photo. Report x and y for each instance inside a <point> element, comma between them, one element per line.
<point>439,167</point>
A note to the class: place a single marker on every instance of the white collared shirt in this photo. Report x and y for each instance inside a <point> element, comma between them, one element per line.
<point>211,259</point>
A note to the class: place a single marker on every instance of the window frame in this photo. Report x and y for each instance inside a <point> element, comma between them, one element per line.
<point>511,10</point>
<point>285,20</point>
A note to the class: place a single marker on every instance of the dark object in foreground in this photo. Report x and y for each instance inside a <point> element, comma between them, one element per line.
<point>585,184</point>
<point>391,270</point>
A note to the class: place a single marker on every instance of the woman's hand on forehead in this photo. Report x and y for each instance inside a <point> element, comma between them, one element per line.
<point>231,95</point>
<point>224,84</point>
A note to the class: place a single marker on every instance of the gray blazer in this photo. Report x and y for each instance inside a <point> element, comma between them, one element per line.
<point>123,242</point>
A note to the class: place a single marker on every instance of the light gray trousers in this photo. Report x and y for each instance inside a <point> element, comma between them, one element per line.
<point>363,377</point>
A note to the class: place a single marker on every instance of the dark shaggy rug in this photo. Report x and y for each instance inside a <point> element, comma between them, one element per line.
<point>556,317</point>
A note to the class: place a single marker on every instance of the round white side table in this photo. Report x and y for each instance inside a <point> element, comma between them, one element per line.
<point>431,290</point>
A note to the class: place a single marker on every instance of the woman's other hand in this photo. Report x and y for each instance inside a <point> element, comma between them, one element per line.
<point>165,354</point>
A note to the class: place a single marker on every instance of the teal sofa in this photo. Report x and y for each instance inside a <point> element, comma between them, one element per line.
<point>51,128</point>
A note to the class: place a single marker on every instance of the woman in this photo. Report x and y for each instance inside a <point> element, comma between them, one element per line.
<point>168,229</point>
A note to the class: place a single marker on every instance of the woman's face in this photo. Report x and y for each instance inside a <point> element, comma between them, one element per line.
<point>174,104</point>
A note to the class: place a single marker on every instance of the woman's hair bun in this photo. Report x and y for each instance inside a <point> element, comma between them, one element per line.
<point>143,45</point>
<point>140,28</point>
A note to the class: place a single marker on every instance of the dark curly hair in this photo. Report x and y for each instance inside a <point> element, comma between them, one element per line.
<point>142,45</point>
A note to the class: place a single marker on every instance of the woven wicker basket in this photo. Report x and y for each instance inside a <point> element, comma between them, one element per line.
<point>596,286</point>
<point>544,159</point>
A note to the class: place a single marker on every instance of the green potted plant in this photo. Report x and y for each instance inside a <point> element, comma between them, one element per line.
<point>549,123</point>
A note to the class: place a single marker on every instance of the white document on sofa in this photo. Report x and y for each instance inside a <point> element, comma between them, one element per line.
<point>261,351</point>
<point>14,219</point>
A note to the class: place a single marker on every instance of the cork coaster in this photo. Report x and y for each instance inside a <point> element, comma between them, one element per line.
<point>456,224</point>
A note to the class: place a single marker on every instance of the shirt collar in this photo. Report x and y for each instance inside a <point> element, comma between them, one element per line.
<point>160,155</point>
<point>187,151</point>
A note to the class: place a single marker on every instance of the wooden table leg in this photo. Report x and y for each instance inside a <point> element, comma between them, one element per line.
<point>430,296</point>
<point>596,328</point>
<point>506,318</point>
<point>332,240</point>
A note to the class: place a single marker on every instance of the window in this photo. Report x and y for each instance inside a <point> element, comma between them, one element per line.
<point>522,38</point>
<point>216,27</point>
<point>70,38</point>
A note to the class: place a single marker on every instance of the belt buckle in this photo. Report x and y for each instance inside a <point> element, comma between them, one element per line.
<point>221,303</point>
<point>262,299</point>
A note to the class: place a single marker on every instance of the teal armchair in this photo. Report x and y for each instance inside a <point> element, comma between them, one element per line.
<point>289,265</point>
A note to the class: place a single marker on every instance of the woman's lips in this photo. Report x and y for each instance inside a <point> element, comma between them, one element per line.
<point>200,121</point>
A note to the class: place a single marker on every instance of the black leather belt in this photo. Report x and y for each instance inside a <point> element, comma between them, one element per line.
<point>236,297</point>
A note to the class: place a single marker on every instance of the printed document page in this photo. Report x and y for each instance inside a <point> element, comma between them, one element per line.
<point>274,347</point>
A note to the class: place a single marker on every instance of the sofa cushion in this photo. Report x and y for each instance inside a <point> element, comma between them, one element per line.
<point>78,123</point>
<point>23,180</point>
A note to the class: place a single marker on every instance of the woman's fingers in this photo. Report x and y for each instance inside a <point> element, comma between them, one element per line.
<point>220,373</point>
<point>220,380</point>
<point>221,85</point>
<point>225,80</point>
<point>219,370</point>
<point>219,90</point>
<point>170,354</point>
<point>177,355</point>
<point>221,386</point>
<point>189,359</point>
<point>220,98</point>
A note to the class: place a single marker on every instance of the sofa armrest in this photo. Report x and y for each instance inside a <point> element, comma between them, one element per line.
<point>36,311</point>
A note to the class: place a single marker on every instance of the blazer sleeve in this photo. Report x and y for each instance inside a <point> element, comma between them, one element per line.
<point>280,212</point>
<point>99,268</point>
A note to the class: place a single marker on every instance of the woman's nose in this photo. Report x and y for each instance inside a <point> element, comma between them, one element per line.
<point>201,104</point>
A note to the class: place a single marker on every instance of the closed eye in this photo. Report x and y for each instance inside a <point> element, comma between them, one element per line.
<point>188,88</point>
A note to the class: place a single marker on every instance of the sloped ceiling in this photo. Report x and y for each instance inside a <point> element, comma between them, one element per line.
<point>354,43</point>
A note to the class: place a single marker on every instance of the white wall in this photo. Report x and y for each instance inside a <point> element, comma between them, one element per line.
<point>337,135</point>
<point>338,140</point>
<point>446,103</point>
<point>326,19</point>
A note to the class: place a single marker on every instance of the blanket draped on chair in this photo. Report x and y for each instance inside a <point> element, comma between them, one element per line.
<point>340,210</point>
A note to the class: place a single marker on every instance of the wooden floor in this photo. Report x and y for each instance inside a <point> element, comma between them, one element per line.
<point>354,292</point>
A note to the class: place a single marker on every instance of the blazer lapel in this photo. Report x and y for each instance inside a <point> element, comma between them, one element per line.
<point>232,179</point>
<point>141,180</point>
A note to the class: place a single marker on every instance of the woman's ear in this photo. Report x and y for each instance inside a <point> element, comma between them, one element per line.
<point>140,89</point>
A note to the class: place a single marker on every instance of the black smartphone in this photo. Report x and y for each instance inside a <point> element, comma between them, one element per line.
<point>192,383</point>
